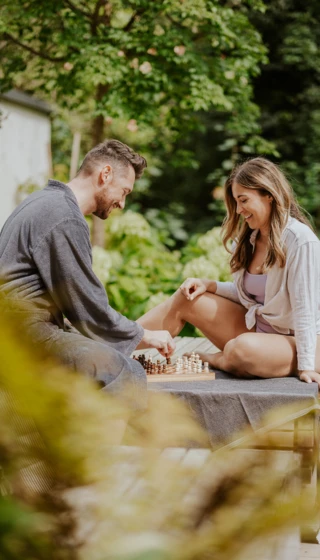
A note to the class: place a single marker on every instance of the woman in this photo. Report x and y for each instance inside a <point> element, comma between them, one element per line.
<point>267,322</point>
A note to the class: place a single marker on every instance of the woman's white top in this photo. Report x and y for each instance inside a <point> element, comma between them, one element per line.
<point>292,296</point>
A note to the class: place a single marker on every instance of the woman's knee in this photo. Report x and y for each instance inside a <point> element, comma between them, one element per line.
<point>203,306</point>
<point>240,351</point>
<point>179,304</point>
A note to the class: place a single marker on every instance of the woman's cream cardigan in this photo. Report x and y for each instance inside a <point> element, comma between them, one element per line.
<point>292,298</point>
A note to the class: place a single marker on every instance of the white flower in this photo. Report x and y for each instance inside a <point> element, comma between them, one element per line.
<point>68,66</point>
<point>155,299</point>
<point>134,63</point>
<point>128,224</point>
<point>158,30</point>
<point>145,68</point>
<point>180,50</point>
<point>210,240</point>
<point>201,267</point>
<point>132,125</point>
<point>229,74</point>
<point>101,263</point>
<point>116,258</point>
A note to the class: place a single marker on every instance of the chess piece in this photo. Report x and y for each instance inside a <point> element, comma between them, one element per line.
<point>206,367</point>
<point>179,366</point>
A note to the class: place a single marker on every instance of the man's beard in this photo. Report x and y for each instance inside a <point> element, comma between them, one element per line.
<point>103,205</point>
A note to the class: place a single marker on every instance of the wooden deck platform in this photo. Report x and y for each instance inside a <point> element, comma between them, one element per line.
<point>199,458</point>
<point>183,344</point>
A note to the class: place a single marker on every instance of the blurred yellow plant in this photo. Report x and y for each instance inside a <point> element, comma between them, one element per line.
<point>71,491</point>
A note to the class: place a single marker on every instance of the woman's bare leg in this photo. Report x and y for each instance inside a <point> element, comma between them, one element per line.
<point>218,318</point>
<point>262,355</point>
<point>244,353</point>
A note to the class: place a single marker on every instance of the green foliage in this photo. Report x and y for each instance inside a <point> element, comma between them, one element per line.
<point>136,264</point>
<point>206,257</point>
<point>287,129</point>
<point>142,52</point>
<point>169,223</point>
<point>147,73</point>
<point>139,271</point>
<point>151,63</point>
<point>288,92</point>
<point>18,525</point>
<point>24,190</point>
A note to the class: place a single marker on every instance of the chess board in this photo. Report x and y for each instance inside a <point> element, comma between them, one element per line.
<point>187,376</point>
<point>183,369</point>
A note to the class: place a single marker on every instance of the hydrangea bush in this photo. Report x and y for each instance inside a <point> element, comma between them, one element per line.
<point>139,271</point>
<point>205,257</point>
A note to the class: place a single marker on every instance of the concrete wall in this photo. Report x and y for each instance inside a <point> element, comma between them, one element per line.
<point>25,156</point>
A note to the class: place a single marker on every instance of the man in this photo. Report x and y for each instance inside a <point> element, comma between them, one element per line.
<point>45,260</point>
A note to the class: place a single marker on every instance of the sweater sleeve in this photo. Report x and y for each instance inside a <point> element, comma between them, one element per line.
<point>303,286</point>
<point>64,260</point>
<point>228,290</point>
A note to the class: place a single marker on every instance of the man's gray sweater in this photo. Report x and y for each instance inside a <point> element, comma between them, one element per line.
<point>46,259</point>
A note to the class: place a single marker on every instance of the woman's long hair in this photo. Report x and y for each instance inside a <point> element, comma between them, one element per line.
<point>266,178</point>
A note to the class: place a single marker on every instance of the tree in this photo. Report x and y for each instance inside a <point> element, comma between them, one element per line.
<point>288,92</point>
<point>144,61</point>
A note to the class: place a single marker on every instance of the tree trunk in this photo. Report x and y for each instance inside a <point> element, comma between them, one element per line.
<point>97,137</point>
<point>75,155</point>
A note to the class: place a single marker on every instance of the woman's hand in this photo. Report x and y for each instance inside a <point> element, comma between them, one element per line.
<point>193,287</point>
<point>309,376</point>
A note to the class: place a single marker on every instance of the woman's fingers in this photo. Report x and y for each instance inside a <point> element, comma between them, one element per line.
<point>192,288</point>
<point>310,376</point>
<point>305,377</point>
<point>187,288</point>
<point>197,292</point>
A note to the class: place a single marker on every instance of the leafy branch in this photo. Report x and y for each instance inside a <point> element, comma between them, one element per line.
<point>74,8</point>
<point>41,54</point>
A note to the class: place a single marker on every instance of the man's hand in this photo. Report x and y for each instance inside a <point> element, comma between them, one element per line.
<point>193,287</point>
<point>161,340</point>
<point>309,376</point>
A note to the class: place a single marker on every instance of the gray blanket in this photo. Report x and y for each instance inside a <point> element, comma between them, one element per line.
<point>226,405</point>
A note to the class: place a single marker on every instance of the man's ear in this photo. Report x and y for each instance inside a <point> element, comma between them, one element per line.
<point>105,175</point>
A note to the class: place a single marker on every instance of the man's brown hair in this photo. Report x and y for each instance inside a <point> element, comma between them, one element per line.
<point>115,152</point>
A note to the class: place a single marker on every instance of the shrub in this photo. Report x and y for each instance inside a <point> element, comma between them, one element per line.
<point>139,271</point>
